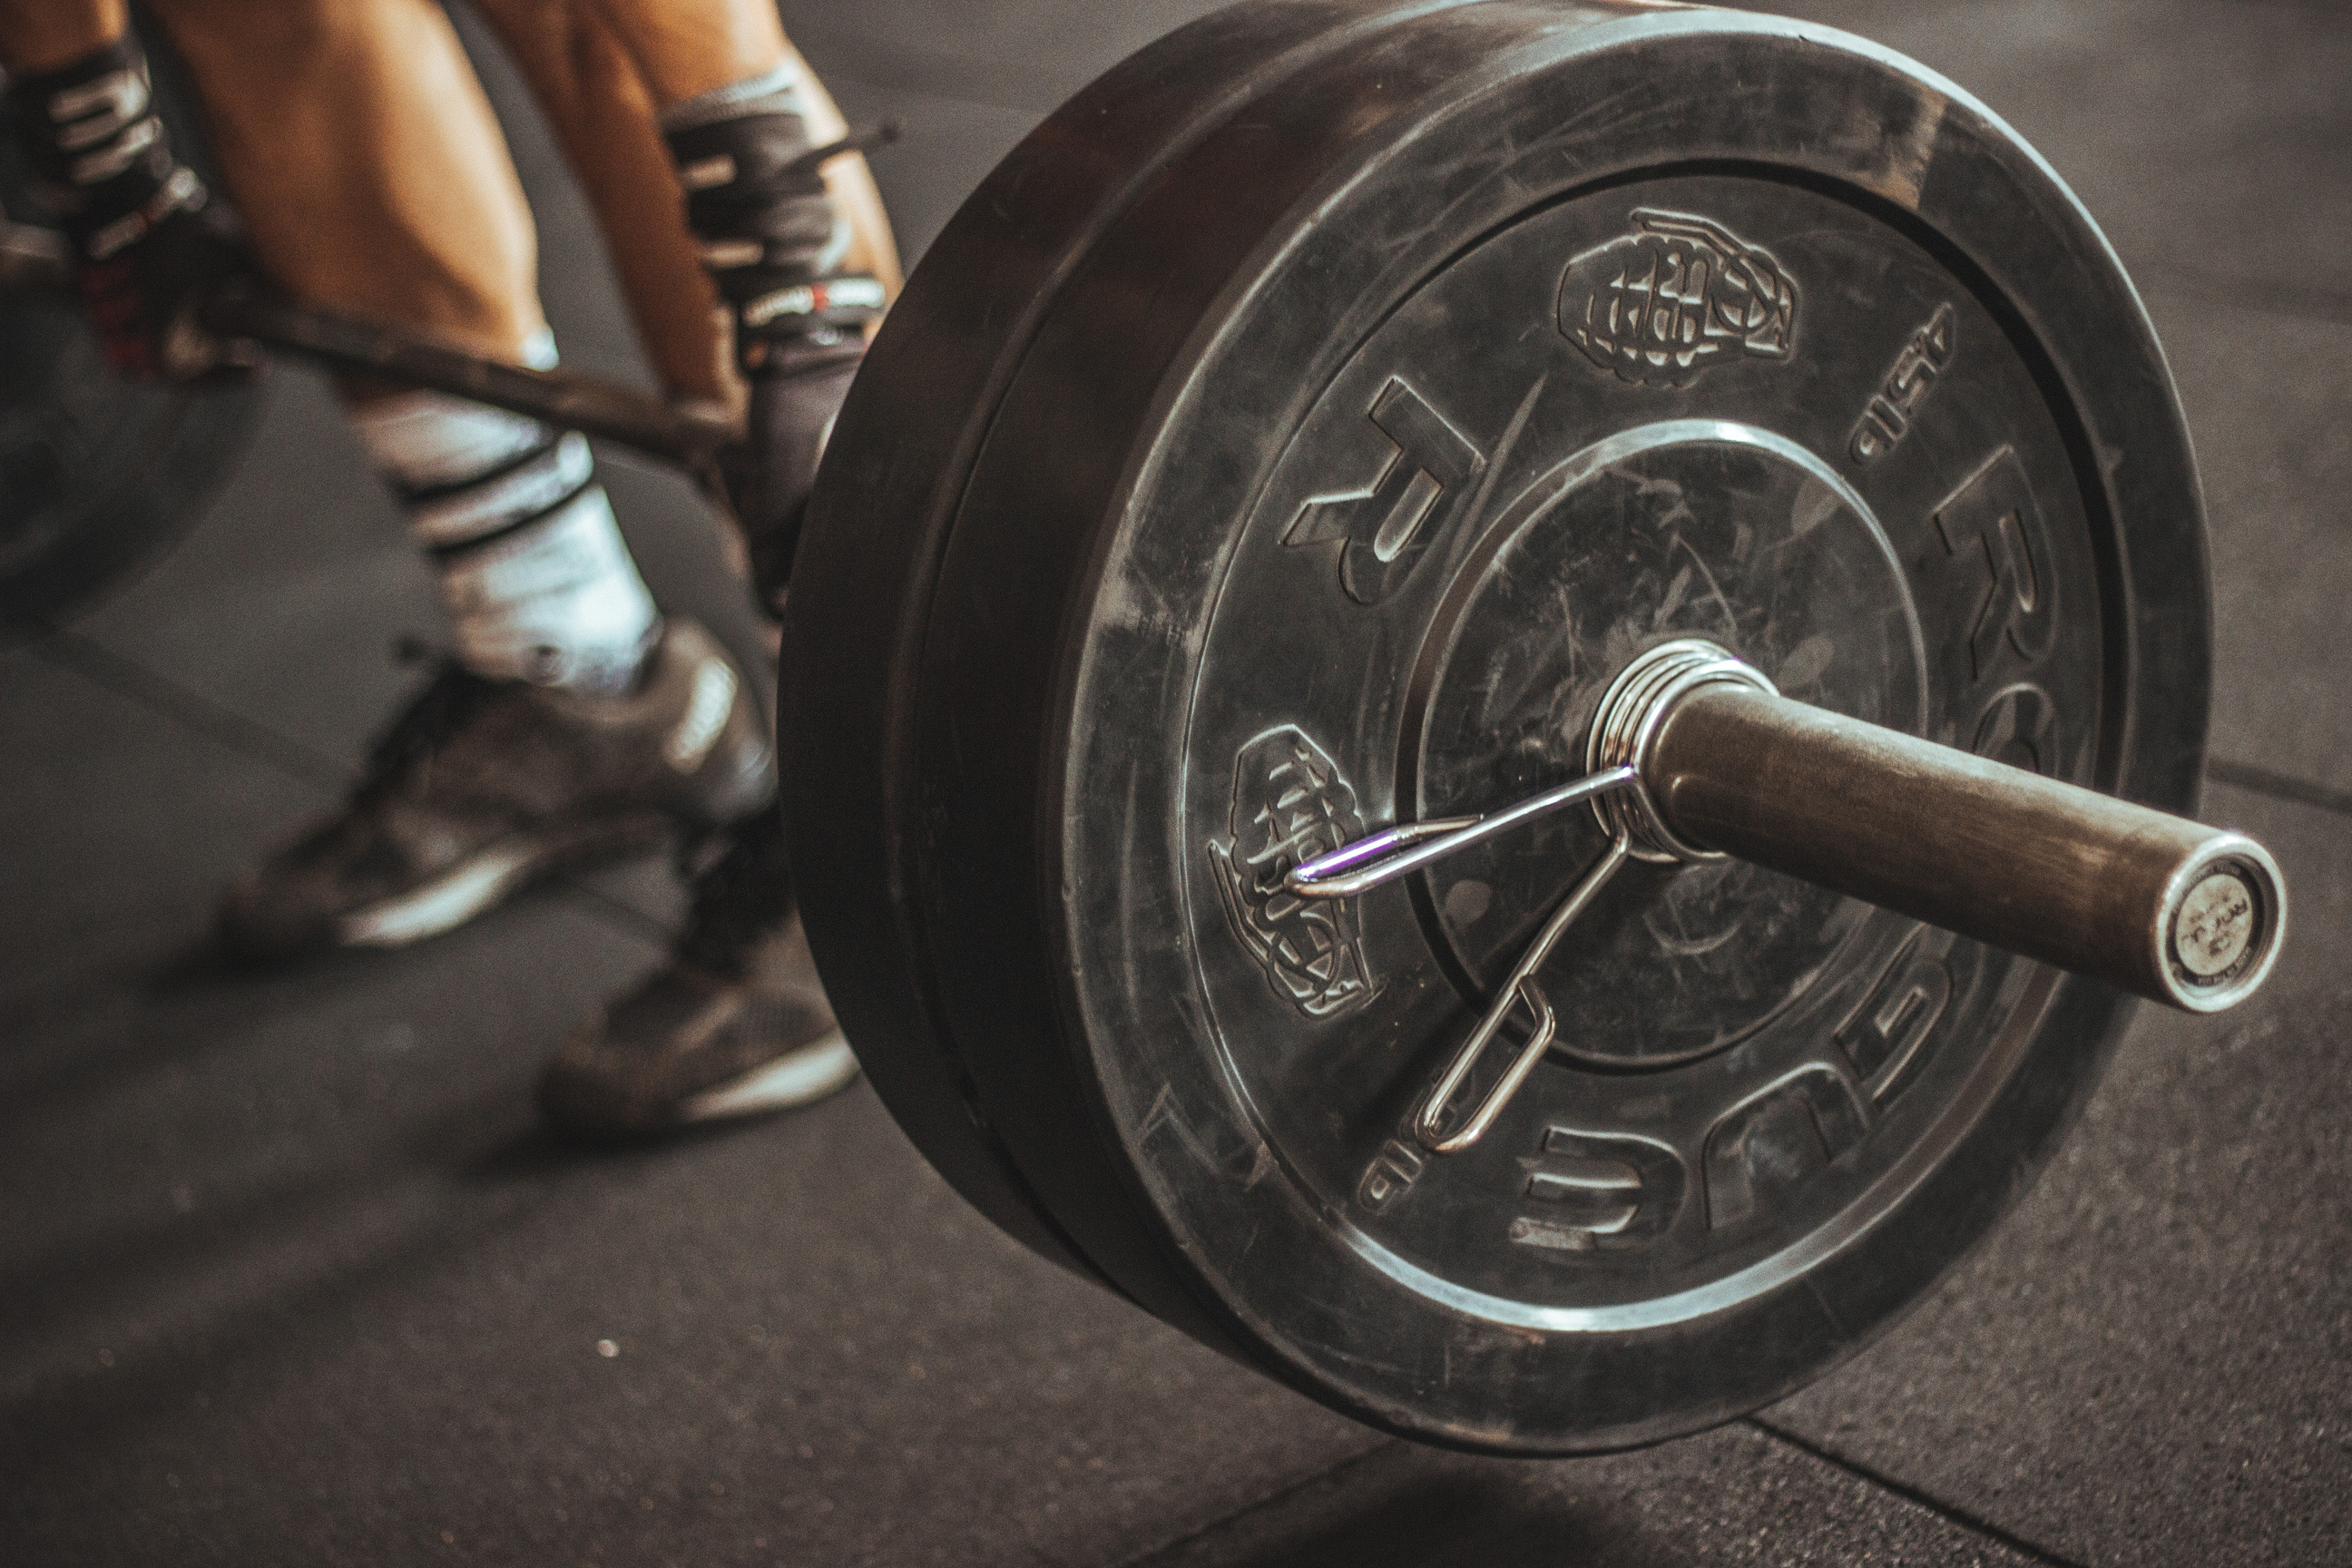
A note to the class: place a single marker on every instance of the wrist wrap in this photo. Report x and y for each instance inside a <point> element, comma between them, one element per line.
<point>104,159</point>
<point>756,201</point>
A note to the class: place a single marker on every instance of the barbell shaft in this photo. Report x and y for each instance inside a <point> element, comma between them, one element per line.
<point>36,262</point>
<point>39,261</point>
<point>2166,908</point>
<point>682,434</point>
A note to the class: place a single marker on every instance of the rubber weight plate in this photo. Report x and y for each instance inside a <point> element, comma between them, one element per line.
<point>1386,420</point>
<point>98,475</point>
<point>885,503</point>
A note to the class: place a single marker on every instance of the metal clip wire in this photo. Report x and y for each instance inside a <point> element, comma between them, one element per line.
<point>1430,1120</point>
<point>1396,851</point>
<point>1632,711</point>
<point>1381,858</point>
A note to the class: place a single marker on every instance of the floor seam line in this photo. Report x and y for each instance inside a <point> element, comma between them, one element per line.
<point>167,698</point>
<point>258,742</point>
<point>2283,786</point>
<point>1176,1543</point>
<point>617,913</point>
<point>1949,1512</point>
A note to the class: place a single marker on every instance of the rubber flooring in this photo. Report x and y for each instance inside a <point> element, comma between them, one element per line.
<point>287,1274</point>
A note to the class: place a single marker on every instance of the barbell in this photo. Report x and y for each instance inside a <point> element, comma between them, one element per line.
<point>1491,699</point>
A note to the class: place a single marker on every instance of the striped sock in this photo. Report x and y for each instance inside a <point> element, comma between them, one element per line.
<point>539,584</point>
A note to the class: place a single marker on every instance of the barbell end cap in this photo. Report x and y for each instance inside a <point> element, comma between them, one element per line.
<point>2221,924</point>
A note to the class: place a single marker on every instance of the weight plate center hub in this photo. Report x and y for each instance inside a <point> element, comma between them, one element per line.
<point>1663,532</point>
<point>1631,419</point>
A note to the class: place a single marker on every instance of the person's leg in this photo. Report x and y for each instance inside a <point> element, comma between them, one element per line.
<point>38,36</point>
<point>602,115</point>
<point>802,256</point>
<point>374,182</point>
<point>736,1022</point>
<point>367,163</point>
<point>699,48</point>
<point>682,119</point>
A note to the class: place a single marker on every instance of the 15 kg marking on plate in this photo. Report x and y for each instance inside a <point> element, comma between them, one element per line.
<point>1904,393</point>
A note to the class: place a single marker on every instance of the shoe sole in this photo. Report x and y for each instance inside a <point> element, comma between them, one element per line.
<point>825,1066</point>
<point>465,891</point>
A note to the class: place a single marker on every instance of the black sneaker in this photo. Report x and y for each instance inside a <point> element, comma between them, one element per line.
<point>736,1022</point>
<point>482,786</point>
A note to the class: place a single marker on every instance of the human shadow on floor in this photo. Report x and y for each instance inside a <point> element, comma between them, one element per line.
<point>541,1151</point>
<point>77,1032</point>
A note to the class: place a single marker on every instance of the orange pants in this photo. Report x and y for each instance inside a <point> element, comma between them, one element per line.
<point>358,144</point>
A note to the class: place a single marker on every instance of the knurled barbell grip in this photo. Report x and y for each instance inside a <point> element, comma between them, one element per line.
<point>2159,905</point>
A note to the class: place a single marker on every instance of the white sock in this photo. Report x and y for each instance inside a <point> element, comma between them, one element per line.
<point>539,584</point>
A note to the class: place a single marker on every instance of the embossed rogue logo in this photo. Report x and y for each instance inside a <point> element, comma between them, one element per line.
<point>1662,304</point>
<point>1291,804</point>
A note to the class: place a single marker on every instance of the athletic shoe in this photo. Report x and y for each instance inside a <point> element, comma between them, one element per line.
<point>735,1023</point>
<point>482,786</point>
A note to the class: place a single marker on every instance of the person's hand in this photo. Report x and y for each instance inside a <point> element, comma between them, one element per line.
<point>149,243</point>
<point>144,298</point>
<point>786,267</point>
